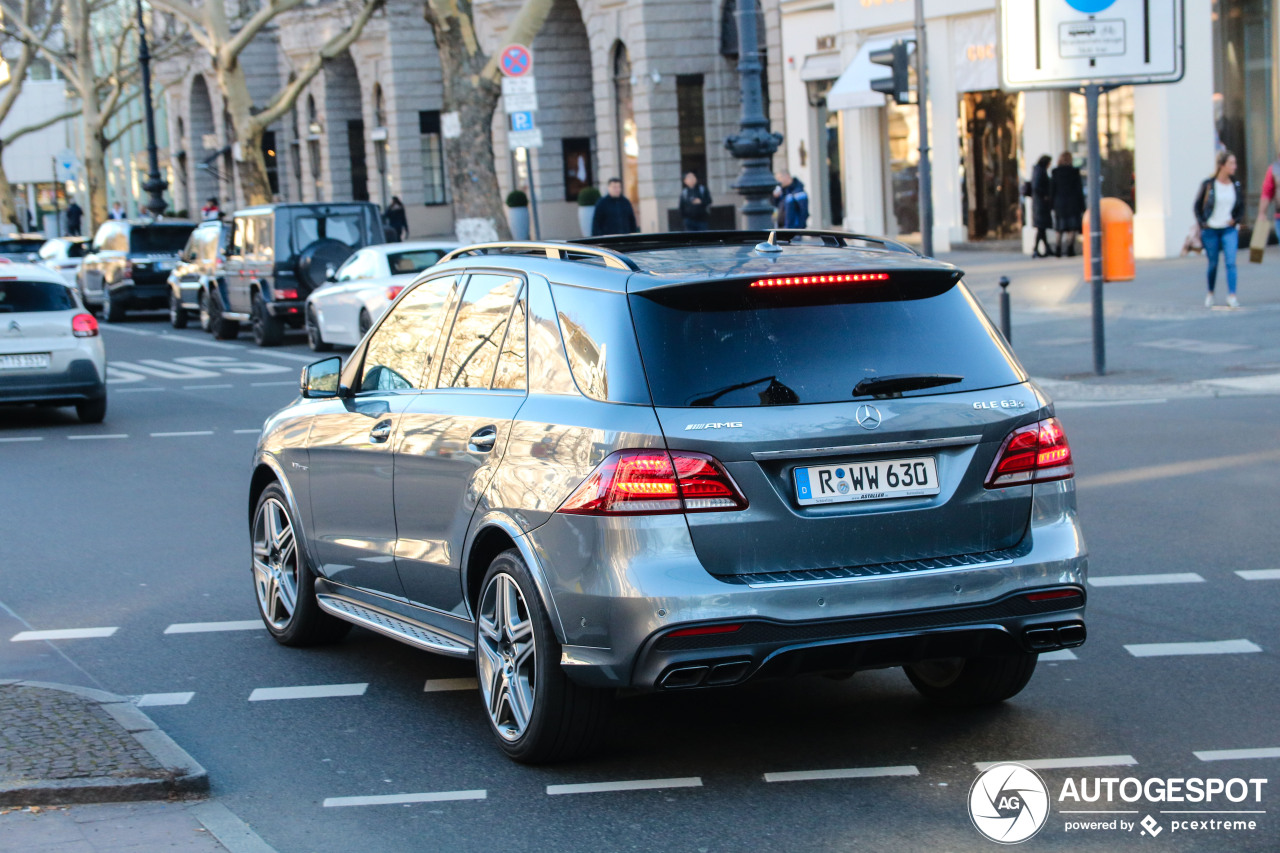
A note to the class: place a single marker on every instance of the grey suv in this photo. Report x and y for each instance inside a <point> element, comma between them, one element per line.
<point>670,462</point>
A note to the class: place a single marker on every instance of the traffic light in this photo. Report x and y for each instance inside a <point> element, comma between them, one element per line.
<point>899,85</point>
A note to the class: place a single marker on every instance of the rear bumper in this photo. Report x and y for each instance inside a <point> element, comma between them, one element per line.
<point>154,295</point>
<point>79,382</point>
<point>291,310</point>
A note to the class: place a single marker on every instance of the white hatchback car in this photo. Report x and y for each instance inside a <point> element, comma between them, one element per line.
<point>64,255</point>
<point>363,289</point>
<point>50,350</point>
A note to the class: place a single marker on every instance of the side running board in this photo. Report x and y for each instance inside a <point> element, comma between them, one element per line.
<point>397,627</point>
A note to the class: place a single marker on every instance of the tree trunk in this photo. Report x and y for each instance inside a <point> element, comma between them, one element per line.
<point>8,210</point>
<point>95,168</point>
<point>254,182</point>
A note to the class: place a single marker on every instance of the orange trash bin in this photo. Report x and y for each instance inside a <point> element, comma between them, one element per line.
<point>1117,241</point>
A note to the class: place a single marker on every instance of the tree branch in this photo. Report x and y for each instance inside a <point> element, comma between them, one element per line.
<point>112,140</point>
<point>40,125</point>
<point>14,17</point>
<point>266,13</point>
<point>528,21</point>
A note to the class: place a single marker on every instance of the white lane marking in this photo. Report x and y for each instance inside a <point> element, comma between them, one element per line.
<point>181,434</point>
<point>1130,476</point>
<point>271,384</point>
<point>315,691</point>
<point>1060,654</point>
<point>247,431</point>
<point>1234,754</point>
<point>232,365</point>
<point>1063,763</point>
<point>394,799</point>
<point>439,685</point>
<point>106,327</point>
<point>24,438</point>
<point>96,437</point>
<point>164,369</point>
<point>1145,580</point>
<point>155,700</point>
<point>1259,574</point>
<point>1218,647</point>
<point>204,387</point>
<point>841,773</point>
<point>1092,404</point>
<point>136,390</point>
<point>631,785</point>
<point>202,627</point>
<point>195,341</point>
<point>63,634</point>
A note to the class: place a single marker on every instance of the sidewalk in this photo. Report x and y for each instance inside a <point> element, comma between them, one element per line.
<point>62,745</point>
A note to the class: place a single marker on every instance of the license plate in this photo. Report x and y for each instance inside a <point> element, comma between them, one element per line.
<point>867,481</point>
<point>25,361</point>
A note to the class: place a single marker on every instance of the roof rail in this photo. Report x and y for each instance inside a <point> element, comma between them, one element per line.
<point>552,251</point>
<point>676,239</point>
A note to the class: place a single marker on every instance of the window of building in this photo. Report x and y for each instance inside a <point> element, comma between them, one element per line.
<point>1116,138</point>
<point>434,187</point>
<point>1243,99</point>
<point>273,163</point>
<point>904,161</point>
<point>578,173</point>
<point>693,125</point>
<point>628,136</point>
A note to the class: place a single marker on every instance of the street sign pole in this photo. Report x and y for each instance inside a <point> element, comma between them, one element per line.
<point>533,195</point>
<point>57,212</point>
<point>922,96</point>
<point>1095,230</point>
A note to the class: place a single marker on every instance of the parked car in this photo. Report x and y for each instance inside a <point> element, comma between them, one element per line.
<point>196,275</point>
<point>364,287</point>
<point>127,266</point>
<point>277,255</point>
<point>21,247</point>
<point>50,351</point>
<point>671,462</point>
<point>64,255</point>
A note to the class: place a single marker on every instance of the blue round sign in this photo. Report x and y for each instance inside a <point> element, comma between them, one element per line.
<point>1090,7</point>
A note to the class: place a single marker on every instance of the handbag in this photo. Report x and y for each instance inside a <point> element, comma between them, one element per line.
<point>1258,242</point>
<point>1193,243</point>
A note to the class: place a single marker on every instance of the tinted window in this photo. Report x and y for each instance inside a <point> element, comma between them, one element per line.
<point>19,247</point>
<point>512,372</point>
<point>478,331</point>
<point>19,296</point>
<point>405,263</point>
<point>601,344</point>
<point>158,238</point>
<point>77,249</point>
<point>343,227</point>
<point>732,345</point>
<point>401,348</point>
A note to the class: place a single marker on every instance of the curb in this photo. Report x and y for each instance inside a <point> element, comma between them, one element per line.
<point>183,774</point>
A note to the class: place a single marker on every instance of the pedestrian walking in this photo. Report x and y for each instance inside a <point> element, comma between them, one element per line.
<point>792,200</point>
<point>75,215</point>
<point>695,204</point>
<point>1041,205</point>
<point>614,213</point>
<point>1218,208</point>
<point>1271,195</point>
<point>211,210</point>
<point>1068,202</point>
<point>117,211</point>
<point>397,220</point>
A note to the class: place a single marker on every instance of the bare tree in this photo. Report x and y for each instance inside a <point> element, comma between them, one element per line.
<point>215,33</point>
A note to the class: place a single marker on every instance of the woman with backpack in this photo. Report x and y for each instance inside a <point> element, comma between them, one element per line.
<point>1218,208</point>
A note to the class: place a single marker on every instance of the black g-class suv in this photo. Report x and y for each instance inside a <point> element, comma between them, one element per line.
<point>128,265</point>
<point>277,255</point>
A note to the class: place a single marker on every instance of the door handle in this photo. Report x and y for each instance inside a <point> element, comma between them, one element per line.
<point>483,439</point>
<point>380,433</point>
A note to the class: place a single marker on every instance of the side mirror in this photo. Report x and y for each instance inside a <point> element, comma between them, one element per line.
<point>320,380</point>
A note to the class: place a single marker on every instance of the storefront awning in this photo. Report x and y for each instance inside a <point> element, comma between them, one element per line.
<point>853,90</point>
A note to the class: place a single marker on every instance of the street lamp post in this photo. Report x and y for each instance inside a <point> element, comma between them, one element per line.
<point>154,185</point>
<point>753,144</point>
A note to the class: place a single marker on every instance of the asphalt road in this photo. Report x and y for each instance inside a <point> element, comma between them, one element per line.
<point>140,524</point>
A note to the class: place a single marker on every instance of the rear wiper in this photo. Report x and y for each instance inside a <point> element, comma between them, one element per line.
<point>892,386</point>
<point>776,394</point>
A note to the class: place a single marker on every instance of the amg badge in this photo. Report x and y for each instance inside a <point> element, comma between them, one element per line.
<point>725,425</point>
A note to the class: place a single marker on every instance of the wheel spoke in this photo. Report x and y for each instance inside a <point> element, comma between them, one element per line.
<point>512,626</point>
<point>520,702</point>
<point>523,655</point>
<point>288,592</point>
<point>489,629</point>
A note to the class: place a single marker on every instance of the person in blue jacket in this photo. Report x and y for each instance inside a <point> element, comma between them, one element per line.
<point>792,201</point>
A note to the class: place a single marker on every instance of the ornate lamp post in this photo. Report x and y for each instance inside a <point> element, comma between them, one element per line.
<point>154,185</point>
<point>753,144</point>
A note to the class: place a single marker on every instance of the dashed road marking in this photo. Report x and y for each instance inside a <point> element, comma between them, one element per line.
<point>135,390</point>
<point>1063,763</point>
<point>247,431</point>
<point>23,438</point>
<point>181,434</point>
<point>273,384</point>
<point>1214,647</point>
<point>1234,754</point>
<point>841,773</point>
<point>440,685</point>
<point>630,785</point>
<point>63,634</point>
<point>1059,655</point>
<point>97,437</point>
<point>1146,580</point>
<point>396,799</point>
<point>314,691</point>
<point>1259,574</point>
<point>202,627</point>
<point>205,387</point>
<point>155,700</point>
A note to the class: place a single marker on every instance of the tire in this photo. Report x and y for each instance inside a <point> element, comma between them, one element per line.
<point>222,329</point>
<point>205,316</point>
<point>283,586</point>
<point>961,682</point>
<point>112,309</point>
<point>365,322</point>
<point>536,714</point>
<point>268,331</point>
<point>92,411</point>
<point>315,339</point>
<point>177,314</point>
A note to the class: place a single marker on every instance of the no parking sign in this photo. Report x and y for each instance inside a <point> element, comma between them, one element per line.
<point>516,60</point>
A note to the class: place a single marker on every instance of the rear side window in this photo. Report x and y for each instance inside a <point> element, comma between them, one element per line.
<point>405,263</point>
<point>601,344</point>
<point>20,296</point>
<point>729,344</point>
<point>158,238</point>
<point>478,331</point>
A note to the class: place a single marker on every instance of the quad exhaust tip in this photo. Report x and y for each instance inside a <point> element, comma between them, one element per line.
<point>1048,638</point>
<point>706,675</point>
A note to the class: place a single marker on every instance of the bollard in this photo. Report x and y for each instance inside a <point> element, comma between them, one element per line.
<point>1006,324</point>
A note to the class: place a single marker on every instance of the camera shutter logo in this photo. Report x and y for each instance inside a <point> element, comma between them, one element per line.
<point>1008,803</point>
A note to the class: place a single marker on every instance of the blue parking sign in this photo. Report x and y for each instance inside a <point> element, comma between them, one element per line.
<point>522,120</point>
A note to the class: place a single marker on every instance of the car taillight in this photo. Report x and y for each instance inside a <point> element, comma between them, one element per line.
<point>84,326</point>
<point>393,291</point>
<point>830,278</point>
<point>1036,453</point>
<point>286,293</point>
<point>651,482</point>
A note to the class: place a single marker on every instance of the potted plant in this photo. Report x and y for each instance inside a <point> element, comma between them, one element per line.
<point>587,198</point>
<point>518,214</point>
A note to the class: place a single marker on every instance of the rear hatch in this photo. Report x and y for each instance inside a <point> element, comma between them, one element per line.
<point>35,319</point>
<point>154,250</point>
<point>761,374</point>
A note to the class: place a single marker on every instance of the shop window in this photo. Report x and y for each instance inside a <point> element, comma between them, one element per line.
<point>273,162</point>
<point>576,154</point>
<point>1115,138</point>
<point>434,188</point>
<point>693,125</point>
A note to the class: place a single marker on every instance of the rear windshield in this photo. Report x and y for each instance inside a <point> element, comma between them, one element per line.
<point>728,344</point>
<point>17,297</point>
<point>158,238</point>
<point>77,249</point>
<point>17,247</point>
<point>343,227</point>
<point>403,263</point>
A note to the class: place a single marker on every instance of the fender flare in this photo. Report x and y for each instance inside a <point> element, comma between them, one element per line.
<point>503,522</point>
<point>265,458</point>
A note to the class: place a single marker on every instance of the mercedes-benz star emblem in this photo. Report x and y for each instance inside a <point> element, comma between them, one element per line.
<point>868,417</point>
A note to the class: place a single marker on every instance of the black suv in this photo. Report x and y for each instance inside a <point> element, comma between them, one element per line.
<point>128,265</point>
<point>199,268</point>
<point>277,255</point>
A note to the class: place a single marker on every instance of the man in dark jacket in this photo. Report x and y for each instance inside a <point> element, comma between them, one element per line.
<point>695,204</point>
<point>792,201</point>
<point>75,215</point>
<point>614,213</point>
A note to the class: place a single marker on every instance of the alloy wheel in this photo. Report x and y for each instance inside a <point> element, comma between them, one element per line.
<point>275,564</point>
<point>507,660</point>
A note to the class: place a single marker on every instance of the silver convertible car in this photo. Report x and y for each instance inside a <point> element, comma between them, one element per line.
<point>675,462</point>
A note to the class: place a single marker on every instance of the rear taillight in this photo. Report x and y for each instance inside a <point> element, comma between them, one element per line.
<point>1036,453</point>
<point>651,482</point>
<point>286,293</point>
<point>393,291</point>
<point>84,326</point>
